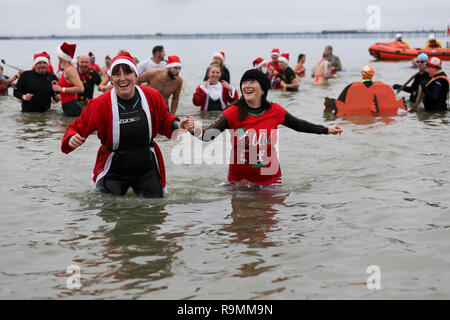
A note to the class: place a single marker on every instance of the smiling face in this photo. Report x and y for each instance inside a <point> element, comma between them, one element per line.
<point>124,80</point>
<point>252,92</point>
<point>283,65</point>
<point>83,64</point>
<point>41,67</point>
<point>214,74</point>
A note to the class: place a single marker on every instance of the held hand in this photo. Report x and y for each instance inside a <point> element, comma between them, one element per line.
<point>206,83</point>
<point>57,97</point>
<point>188,123</point>
<point>20,71</point>
<point>277,80</point>
<point>335,129</point>
<point>55,86</point>
<point>27,97</point>
<point>76,141</point>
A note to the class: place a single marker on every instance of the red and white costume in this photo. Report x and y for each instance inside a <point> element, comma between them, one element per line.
<point>102,115</point>
<point>203,94</point>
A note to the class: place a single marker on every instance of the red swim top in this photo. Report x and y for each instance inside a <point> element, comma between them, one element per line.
<point>66,97</point>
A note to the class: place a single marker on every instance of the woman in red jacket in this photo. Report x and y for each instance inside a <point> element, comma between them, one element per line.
<point>214,94</point>
<point>254,160</point>
<point>126,118</point>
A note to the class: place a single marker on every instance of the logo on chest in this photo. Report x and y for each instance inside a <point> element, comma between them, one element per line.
<point>129,120</point>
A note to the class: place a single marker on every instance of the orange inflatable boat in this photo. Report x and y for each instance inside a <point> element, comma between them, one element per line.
<point>396,51</point>
<point>378,99</point>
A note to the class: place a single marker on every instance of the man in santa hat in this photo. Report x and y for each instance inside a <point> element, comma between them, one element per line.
<point>287,79</point>
<point>168,81</point>
<point>34,87</point>
<point>127,119</point>
<point>273,69</point>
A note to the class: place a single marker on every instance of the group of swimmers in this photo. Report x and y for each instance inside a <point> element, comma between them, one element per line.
<point>127,117</point>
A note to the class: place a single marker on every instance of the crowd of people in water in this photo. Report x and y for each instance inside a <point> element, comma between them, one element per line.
<point>134,108</point>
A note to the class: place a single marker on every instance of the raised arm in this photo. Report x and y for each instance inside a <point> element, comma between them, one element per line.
<point>304,126</point>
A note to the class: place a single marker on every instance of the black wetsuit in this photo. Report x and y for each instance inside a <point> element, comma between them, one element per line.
<point>133,164</point>
<point>288,76</point>
<point>413,89</point>
<point>38,84</point>
<point>225,75</point>
<point>290,121</point>
<point>435,94</point>
<point>89,80</point>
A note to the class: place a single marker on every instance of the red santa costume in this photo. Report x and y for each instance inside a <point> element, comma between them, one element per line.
<point>217,93</point>
<point>102,115</point>
<point>273,70</point>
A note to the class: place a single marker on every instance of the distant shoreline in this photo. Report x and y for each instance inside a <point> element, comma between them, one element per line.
<point>325,34</point>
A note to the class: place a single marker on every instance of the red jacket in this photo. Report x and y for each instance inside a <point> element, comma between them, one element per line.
<point>102,115</point>
<point>201,97</point>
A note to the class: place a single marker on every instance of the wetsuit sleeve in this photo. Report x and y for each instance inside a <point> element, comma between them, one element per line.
<point>18,90</point>
<point>218,126</point>
<point>435,92</point>
<point>84,125</point>
<point>303,126</point>
<point>199,97</point>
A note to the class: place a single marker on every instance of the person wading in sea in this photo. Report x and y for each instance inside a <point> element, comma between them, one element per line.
<point>253,159</point>
<point>168,81</point>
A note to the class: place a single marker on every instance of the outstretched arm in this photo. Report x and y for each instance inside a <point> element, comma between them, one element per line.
<point>304,126</point>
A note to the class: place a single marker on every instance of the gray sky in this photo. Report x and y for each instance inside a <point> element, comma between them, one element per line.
<point>26,17</point>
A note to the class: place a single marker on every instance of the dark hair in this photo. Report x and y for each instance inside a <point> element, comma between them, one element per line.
<point>126,68</point>
<point>301,55</point>
<point>157,49</point>
<point>243,106</point>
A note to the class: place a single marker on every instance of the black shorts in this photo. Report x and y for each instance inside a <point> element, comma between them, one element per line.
<point>147,185</point>
<point>72,108</point>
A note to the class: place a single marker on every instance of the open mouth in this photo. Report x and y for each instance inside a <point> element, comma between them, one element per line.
<point>123,85</point>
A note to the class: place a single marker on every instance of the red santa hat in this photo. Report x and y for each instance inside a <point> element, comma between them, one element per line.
<point>123,58</point>
<point>220,55</point>
<point>66,51</point>
<point>258,62</point>
<point>284,57</point>
<point>275,52</point>
<point>173,61</point>
<point>434,63</point>
<point>46,55</point>
<point>38,57</point>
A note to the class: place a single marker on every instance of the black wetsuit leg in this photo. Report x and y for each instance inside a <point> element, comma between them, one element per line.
<point>114,184</point>
<point>72,108</point>
<point>149,185</point>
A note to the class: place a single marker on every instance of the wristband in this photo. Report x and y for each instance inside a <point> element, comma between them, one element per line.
<point>63,90</point>
<point>284,86</point>
<point>17,75</point>
<point>182,129</point>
